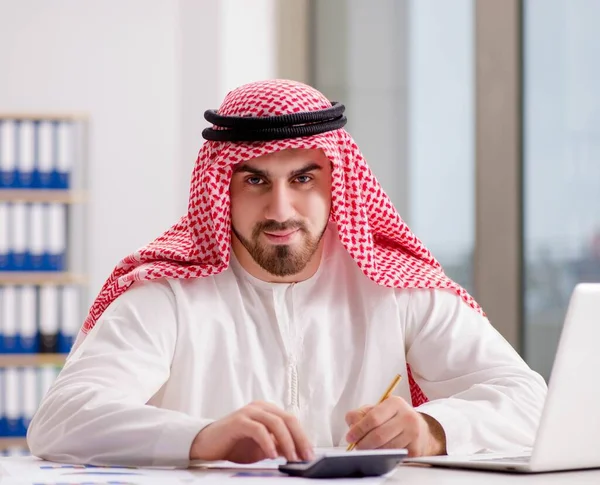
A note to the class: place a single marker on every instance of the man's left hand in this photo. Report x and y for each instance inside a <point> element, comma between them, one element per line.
<point>395,424</point>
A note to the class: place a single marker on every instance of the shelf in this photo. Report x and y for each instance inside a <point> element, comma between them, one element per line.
<point>40,278</point>
<point>42,195</point>
<point>44,116</point>
<point>12,442</point>
<point>19,360</point>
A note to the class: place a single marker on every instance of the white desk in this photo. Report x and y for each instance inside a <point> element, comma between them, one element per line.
<point>421,475</point>
<point>424,475</point>
<point>405,475</point>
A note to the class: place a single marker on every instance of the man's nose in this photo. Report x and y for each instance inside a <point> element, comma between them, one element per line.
<point>280,207</point>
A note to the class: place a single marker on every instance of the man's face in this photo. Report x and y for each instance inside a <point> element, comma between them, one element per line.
<point>280,206</point>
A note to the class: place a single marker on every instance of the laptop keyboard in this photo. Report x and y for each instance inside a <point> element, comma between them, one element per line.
<point>512,459</point>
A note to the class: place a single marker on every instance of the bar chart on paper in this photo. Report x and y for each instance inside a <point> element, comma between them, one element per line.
<point>28,469</point>
<point>32,470</point>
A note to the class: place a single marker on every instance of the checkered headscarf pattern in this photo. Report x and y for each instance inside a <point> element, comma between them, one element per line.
<point>369,227</point>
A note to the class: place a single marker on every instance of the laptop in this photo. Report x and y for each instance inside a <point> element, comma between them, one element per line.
<point>568,436</point>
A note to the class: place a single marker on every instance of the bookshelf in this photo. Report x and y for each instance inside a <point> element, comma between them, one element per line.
<point>41,278</point>
<point>43,257</point>
<point>27,360</point>
<point>6,443</point>
<point>42,195</point>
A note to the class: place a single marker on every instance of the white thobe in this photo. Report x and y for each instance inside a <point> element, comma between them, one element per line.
<point>168,357</point>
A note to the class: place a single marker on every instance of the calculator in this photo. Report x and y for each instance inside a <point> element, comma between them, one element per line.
<point>347,464</point>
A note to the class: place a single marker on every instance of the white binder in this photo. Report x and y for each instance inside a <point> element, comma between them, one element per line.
<point>1,326</point>
<point>18,234</point>
<point>12,402</point>
<point>2,406</point>
<point>37,243</point>
<point>26,157</point>
<point>45,162</point>
<point>8,154</point>
<point>57,235</point>
<point>28,330</point>
<point>65,151</point>
<point>8,319</point>
<point>48,318</point>
<point>4,236</point>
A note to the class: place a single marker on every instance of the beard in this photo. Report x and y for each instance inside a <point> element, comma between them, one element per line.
<point>281,259</point>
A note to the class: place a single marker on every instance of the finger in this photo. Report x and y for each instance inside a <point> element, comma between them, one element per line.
<point>408,433</point>
<point>382,436</point>
<point>261,436</point>
<point>354,416</point>
<point>302,444</point>
<point>405,440</point>
<point>376,417</point>
<point>401,440</point>
<point>277,426</point>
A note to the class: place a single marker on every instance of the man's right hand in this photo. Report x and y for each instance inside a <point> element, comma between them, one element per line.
<point>255,432</point>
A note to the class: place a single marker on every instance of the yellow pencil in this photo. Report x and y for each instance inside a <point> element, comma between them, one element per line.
<point>386,394</point>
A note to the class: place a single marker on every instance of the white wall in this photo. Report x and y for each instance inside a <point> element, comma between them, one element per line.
<point>224,44</point>
<point>248,41</point>
<point>145,72</point>
<point>200,78</point>
<point>117,63</point>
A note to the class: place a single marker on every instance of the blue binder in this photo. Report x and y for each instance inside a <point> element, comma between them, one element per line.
<point>4,236</point>
<point>63,154</point>
<point>12,402</point>
<point>2,405</point>
<point>49,315</point>
<point>2,310</point>
<point>8,154</point>
<point>27,322</point>
<point>37,243</point>
<point>45,155</point>
<point>56,226</point>
<point>19,259</point>
<point>9,319</point>
<point>25,154</point>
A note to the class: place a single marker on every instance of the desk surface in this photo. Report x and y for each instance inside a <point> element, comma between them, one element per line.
<point>412,474</point>
<point>424,475</point>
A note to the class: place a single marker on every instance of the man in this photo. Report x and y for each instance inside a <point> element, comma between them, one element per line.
<point>270,319</point>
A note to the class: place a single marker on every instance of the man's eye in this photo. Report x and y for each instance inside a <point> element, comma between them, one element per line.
<point>304,179</point>
<point>254,180</point>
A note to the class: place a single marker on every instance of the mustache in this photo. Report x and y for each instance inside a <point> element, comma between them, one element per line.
<point>271,225</point>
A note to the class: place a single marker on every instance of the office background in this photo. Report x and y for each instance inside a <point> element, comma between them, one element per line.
<point>481,119</point>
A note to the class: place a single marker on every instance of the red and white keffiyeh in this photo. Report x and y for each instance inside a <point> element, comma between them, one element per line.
<point>369,227</point>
